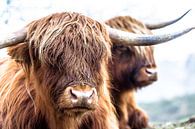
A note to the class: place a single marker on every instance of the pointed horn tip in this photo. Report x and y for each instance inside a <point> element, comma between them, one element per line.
<point>166,23</point>
<point>186,12</point>
<point>189,10</point>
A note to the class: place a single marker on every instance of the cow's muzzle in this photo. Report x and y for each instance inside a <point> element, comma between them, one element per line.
<point>145,76</point>
<point>79,98</point>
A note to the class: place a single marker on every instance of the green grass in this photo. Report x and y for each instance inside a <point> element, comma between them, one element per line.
<point>177,109</point>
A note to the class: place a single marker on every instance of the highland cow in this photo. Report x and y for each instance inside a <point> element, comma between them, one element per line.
<point>57,74</point>
<point>58,77</point>
<point>132,68</point>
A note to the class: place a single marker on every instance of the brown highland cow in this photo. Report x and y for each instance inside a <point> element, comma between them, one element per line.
<point>132,68</point>
<point>57,77</point>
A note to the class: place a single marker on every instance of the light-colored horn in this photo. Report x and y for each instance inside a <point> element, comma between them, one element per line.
<point>118,36</point>
<point>126,38</point>
<point>166,23</point>
<point>13,38</point>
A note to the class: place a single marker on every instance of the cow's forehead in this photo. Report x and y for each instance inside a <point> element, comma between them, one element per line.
<point>65,34</point>
<point>146,53</point>
<point>143,50</point>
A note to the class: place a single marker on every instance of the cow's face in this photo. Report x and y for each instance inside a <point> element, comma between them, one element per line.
<point>69,60</point>
<point>145,70</point>
<point>133,67</point>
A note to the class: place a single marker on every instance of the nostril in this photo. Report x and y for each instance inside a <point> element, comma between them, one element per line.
<point>73,95</point>
<point>93,93</point>
<point>151,71</point>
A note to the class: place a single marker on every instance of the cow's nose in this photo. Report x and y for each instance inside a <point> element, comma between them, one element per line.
<point>151,71</point>
<point>81,95</point>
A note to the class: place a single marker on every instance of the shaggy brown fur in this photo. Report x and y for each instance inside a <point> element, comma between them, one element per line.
<point>128,71</point>
<point>60,49</point>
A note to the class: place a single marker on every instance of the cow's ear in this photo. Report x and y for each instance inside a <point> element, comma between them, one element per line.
<point>20,53</point>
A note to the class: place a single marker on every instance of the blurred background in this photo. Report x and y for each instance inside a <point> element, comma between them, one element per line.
<point>172,97</point>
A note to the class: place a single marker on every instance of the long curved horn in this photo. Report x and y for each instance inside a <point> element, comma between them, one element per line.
<point>13,38</point>
<point>166,23</point>
<point>127,38</point>
<point>119,36</point>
